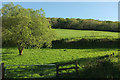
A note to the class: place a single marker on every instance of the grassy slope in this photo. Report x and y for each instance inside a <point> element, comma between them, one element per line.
<point>42,54</point>
<point>46,56</point>
<point>68,33</point>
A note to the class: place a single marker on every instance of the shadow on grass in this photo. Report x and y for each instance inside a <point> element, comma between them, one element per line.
<point>34,71</point>
<point>85,44</point>
<point>103,70</point>
<point>94,68</point>
<point>88,68</point>
<point>7,57</point>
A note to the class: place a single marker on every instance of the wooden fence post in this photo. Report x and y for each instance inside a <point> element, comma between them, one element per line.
<point>3,70</point>
<point>57,72</point>
<point>76,67</point>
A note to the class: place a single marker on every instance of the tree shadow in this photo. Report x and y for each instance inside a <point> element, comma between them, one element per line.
<point>95,67</point>
<point>85,44</point>
<point>6,57</point>
<point>104,69</point>
<point>30,71</point>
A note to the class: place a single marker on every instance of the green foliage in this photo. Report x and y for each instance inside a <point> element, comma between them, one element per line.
<point>25,27</point>
<point>83,24</point>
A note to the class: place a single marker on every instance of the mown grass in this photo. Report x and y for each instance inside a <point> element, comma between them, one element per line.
<point>66,51</point>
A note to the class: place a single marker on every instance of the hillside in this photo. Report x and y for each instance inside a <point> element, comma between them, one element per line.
<point>87,34</point>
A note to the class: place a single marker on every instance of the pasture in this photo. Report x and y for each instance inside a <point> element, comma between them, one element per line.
<point>65,51</point>
<point>87,34</point>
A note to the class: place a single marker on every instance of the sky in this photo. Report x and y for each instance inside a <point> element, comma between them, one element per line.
<point>60,0</point>
<point>84,10</point>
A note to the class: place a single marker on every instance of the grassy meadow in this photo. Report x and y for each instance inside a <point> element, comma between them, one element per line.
<point>87,34</point>
<point>69,47</point>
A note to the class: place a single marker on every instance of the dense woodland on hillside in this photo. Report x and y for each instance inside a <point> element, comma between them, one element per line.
<point>83,24</point>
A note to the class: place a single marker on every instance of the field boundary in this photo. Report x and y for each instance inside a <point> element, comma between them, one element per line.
<point>4,67</point>
<point>60,69</point>
<point>56,66</point>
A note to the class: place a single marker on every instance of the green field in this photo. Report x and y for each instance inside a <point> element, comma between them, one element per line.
<point>87,34</point>
<point>47,56</point>
<point>85,56</point>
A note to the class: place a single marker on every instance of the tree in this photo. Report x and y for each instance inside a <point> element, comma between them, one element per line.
<point>25,27</point>
<point>84,24</point>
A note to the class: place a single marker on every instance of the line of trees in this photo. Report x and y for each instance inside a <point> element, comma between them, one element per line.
<point>83,24</point>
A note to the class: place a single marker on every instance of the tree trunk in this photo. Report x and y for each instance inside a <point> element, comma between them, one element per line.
<point>20,51</point>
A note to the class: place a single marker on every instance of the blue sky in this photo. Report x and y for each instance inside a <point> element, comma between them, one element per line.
<point>83,10</point>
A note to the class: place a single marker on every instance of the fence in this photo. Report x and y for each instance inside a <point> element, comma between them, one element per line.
<point>60,69</point>
<point>28,71</point>
<point>34,71</point>
<point>3,70</point>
